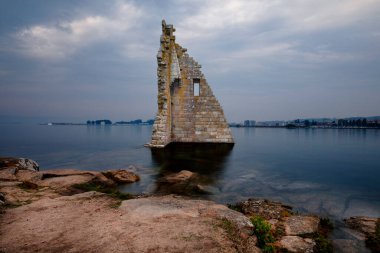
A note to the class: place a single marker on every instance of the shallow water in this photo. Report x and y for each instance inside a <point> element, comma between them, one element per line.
<point>333,172</point>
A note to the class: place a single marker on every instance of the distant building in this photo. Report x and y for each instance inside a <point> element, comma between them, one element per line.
<point>99,122</point>
<point>249,123</point>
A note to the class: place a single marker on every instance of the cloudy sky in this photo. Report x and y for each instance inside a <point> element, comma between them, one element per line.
<point>265,60</point>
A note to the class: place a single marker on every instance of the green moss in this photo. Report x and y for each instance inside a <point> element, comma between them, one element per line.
<point>322,243</point>
<point>111,191</point>
<point>262,230</point>
<point>326,224</point>
<point>268,249</point>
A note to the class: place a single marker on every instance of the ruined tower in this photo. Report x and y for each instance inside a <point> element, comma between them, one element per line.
<point>187,109</point>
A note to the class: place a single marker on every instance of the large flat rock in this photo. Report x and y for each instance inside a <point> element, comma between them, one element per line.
<point>90,222</point>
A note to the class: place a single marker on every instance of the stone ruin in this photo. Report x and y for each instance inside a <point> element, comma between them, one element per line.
<point>188,111</point>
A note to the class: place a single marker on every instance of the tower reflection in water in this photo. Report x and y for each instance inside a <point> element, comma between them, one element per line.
<point>206,160</point>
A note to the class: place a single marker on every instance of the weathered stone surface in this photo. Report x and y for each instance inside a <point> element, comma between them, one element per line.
<point>48,184</point>
<point>250,245</point>
<point>8,174</point>
<point>297,244</point>
<point>367,228</point>
<point>299,225</point>
<point>89,222</point>
<point>2,199</point>
<point>183,115</point>
<point>18,163</point>
<point>156,207</point>
<point>366,225</point>
<point>265,208</point>
<point>21,169</point>
<point>21,184</point>
<point>64,178</point>
<point>122,176</point>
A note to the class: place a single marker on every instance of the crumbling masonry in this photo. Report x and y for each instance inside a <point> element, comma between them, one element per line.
<point>187,109</point>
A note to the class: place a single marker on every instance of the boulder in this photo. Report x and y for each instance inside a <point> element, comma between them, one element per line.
<point>63,181</point>
<point>300,225</point>
<point>18,169</point>
<point>73,176</point>
<point>18,163</point>
<point>121,176</point>
<point>296,244</point>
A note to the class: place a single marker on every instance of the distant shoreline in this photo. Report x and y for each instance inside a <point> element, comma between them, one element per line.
<point>312,127</point>
<point>234,126</point>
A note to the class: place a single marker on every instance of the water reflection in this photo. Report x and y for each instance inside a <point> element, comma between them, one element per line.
<point>96,130</point>
<point>207,160</point>
<point>326,171</point>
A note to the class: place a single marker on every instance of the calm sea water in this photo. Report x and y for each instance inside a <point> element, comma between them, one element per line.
<point>333,172</point>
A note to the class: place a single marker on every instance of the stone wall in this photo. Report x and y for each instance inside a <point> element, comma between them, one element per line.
<point>182,115</point>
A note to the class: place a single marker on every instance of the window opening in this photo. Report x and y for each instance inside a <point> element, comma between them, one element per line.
<point>197,87</point>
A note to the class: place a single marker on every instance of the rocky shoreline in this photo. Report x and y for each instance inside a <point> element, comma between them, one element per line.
<point>68,210</point>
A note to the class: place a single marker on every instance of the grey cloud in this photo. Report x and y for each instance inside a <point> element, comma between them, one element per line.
<point>264,60</point>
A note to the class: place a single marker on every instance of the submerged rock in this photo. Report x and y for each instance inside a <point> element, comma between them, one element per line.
<point>184,182</point>
<point>182,176</point>
<point>350,246</point>
<point>122,176</point>
<point>207,189</point>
